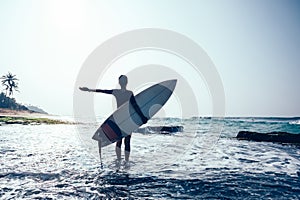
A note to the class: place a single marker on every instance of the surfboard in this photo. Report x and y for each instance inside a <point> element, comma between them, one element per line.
<point>126,119</point>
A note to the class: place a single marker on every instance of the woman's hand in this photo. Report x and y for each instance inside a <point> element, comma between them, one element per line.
<point>84,89</point>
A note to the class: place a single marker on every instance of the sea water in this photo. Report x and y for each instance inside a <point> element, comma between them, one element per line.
<point>205,161</point>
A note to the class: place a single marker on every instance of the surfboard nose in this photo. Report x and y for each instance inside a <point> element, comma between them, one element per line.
<point>170,84</point>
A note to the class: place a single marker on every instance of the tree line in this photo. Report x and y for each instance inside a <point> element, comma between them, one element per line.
<point>10,84</point>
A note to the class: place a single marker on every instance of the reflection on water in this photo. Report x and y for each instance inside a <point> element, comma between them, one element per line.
<point>60,161</point>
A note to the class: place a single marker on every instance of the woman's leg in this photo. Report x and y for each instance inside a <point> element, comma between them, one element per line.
<point>127,147</point>
<point>118,149</point>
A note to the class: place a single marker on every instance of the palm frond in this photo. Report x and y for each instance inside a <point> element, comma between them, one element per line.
<point>9,81</point>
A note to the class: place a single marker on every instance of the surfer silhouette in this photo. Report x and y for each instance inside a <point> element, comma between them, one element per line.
<point>122,96</point>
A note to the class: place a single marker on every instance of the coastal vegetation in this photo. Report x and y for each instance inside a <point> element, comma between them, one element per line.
<point>29,120</point>
<point>12,112</point>
<point>10,103</point>
<point>10,84</point>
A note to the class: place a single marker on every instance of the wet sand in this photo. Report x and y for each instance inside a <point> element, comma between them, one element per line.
<point>20,113</point>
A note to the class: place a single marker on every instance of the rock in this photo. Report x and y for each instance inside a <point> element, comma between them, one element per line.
<point>160,129</point>
<point>281,137</point>
<point>16,121</point>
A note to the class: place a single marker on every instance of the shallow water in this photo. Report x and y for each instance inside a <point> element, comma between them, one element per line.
<point>60,161</point>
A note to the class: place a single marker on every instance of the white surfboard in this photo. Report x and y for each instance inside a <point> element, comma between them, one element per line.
<point>126,119</point>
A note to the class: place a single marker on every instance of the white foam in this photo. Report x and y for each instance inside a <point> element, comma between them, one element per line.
<point>297,122</point>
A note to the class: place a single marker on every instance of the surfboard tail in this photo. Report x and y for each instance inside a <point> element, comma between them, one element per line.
<point>100,137</point>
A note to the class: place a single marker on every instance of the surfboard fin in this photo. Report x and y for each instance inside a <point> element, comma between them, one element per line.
<point>100,154</point>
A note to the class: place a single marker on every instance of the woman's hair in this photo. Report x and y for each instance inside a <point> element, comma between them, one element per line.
<point>123,80</point>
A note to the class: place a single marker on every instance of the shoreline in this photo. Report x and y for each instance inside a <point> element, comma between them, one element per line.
<point>24,117</point>
<point>20,113</point>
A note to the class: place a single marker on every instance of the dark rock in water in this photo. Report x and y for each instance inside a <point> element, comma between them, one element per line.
<point>17,121</point>
<point>160,129</point>
<point>281,137</point>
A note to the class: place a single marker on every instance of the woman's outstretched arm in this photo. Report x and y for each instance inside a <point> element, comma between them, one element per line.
<point>96,90</point>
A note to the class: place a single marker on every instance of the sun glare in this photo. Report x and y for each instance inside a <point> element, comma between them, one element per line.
<point>66,16</point>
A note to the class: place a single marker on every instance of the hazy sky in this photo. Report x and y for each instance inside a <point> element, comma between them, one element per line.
<point>255,46</point>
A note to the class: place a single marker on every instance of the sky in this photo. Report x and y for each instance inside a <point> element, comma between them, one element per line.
<point>254,46</point>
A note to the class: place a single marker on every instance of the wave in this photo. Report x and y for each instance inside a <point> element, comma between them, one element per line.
<point>296,122</point>
<point>265,118</point>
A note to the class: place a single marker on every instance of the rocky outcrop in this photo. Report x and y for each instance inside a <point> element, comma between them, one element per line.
<point>281,137</point>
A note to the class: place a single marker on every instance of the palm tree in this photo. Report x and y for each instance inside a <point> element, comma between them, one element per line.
<point>9,81</point>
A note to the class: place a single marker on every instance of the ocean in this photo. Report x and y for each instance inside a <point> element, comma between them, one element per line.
<point>205,161</point>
